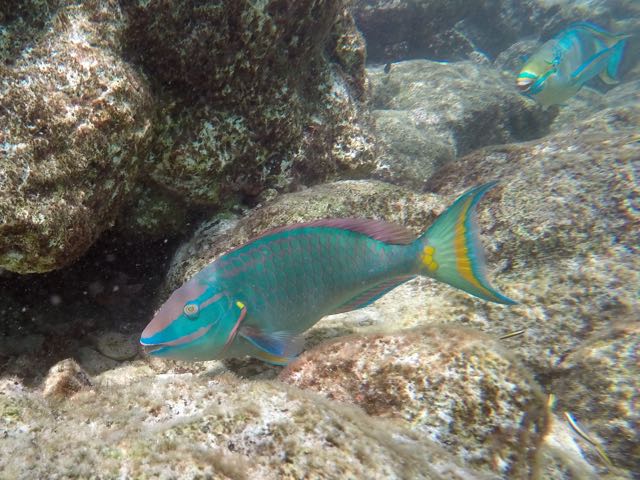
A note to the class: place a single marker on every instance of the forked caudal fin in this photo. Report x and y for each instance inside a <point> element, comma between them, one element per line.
<point>451,251</point>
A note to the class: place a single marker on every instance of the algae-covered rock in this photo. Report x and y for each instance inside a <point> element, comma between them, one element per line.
<point>456,386</point>
<point>562,226</point>
<point>151,213</point>
<point>73,118</point>
<point>255,95</point>
<point>428,113</point>
<point>65,379</point>
<point>599,384</point>
<point>195,426</point>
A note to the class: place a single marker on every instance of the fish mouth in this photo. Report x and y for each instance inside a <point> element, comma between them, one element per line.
<point>524,84</point>
<point>156,348</point>
<point>151,349</point>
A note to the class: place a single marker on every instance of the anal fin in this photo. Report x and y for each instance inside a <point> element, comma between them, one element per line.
<point>369,296</point>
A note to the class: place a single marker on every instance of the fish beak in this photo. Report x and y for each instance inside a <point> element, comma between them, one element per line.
<point>524,84</point>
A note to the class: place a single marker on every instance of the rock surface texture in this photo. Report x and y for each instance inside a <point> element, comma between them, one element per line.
<point>429,113</point>
<point>74,120</point>
<point>265,94</point>
<point>456,386</point>
<point>190,426</point>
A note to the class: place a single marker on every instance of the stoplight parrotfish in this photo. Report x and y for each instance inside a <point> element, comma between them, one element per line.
<point>259,298</point>
<point>570,59</point>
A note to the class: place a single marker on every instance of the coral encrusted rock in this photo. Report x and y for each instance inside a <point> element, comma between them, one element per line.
<point>255,94</point>
<point>456,386</point>
<point>185,425</point>
<point>73,119</point>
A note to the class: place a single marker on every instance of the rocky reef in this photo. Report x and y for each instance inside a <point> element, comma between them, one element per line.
<point>140,140</point>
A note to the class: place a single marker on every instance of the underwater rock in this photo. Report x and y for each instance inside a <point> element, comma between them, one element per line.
<point>561,229</point>
<point>254,95</point>
<point>444,29</point>
<point>65,379</point>
<point>117,346</point>
<point>599,384</point>
<point>428,113</point>
<point>151,214</point>
<point>194,426</point>
<point>456,386</point>
<point>456,30</point>
<point>73,119</point>
<point>347,198</point>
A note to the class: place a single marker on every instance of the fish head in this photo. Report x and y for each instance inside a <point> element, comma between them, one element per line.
<point>539,69</point>
<point>196,323</point>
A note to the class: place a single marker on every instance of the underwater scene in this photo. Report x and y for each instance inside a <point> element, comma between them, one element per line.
<point>320,239</point>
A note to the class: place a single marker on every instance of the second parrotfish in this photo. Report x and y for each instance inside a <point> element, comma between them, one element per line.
<point>570,59</point>
<point>258,299</point>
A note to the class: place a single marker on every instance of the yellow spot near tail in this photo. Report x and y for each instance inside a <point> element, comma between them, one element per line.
<point>427,258</point>
<point>240,304</point>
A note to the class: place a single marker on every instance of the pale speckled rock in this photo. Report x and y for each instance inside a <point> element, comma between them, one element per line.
<point>456,386</point>
<point>599,383</point>
<point>65,379</point>
<point>190,426</point>
<point>73,118</point>
<point>255,95</point>
<point>562,226</point>
<point>428,113</point>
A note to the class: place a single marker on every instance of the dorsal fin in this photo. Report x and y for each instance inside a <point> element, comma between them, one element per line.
<point>376,229</point>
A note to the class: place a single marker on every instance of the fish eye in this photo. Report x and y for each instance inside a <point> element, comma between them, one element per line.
<point>191,310</point>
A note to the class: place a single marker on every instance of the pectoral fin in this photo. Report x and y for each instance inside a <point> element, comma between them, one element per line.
<point>592,67</point>
<point>277,348</point>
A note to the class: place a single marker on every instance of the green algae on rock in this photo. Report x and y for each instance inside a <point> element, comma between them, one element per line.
<point>190,426</point>
<point>456,386</point>
<point>255,95</point>
<point>73,119</point>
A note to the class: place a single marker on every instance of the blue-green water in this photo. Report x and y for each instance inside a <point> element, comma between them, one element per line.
<point>140,140</point>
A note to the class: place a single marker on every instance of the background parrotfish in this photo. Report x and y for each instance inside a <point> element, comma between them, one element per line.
<point>258,299</point>
<point>570,59</point>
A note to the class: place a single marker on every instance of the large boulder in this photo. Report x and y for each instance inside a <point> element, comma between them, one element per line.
<point>428,113</point>
<point>254,95</point>
<point>74,121</point>
<point>456,386</point>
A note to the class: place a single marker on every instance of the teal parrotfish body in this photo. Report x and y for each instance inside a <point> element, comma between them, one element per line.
<point>570,59</point>
<point>258,299</point>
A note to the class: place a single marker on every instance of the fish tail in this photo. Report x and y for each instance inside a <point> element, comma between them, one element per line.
<point>450,250</point>
<point>610,73</point>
